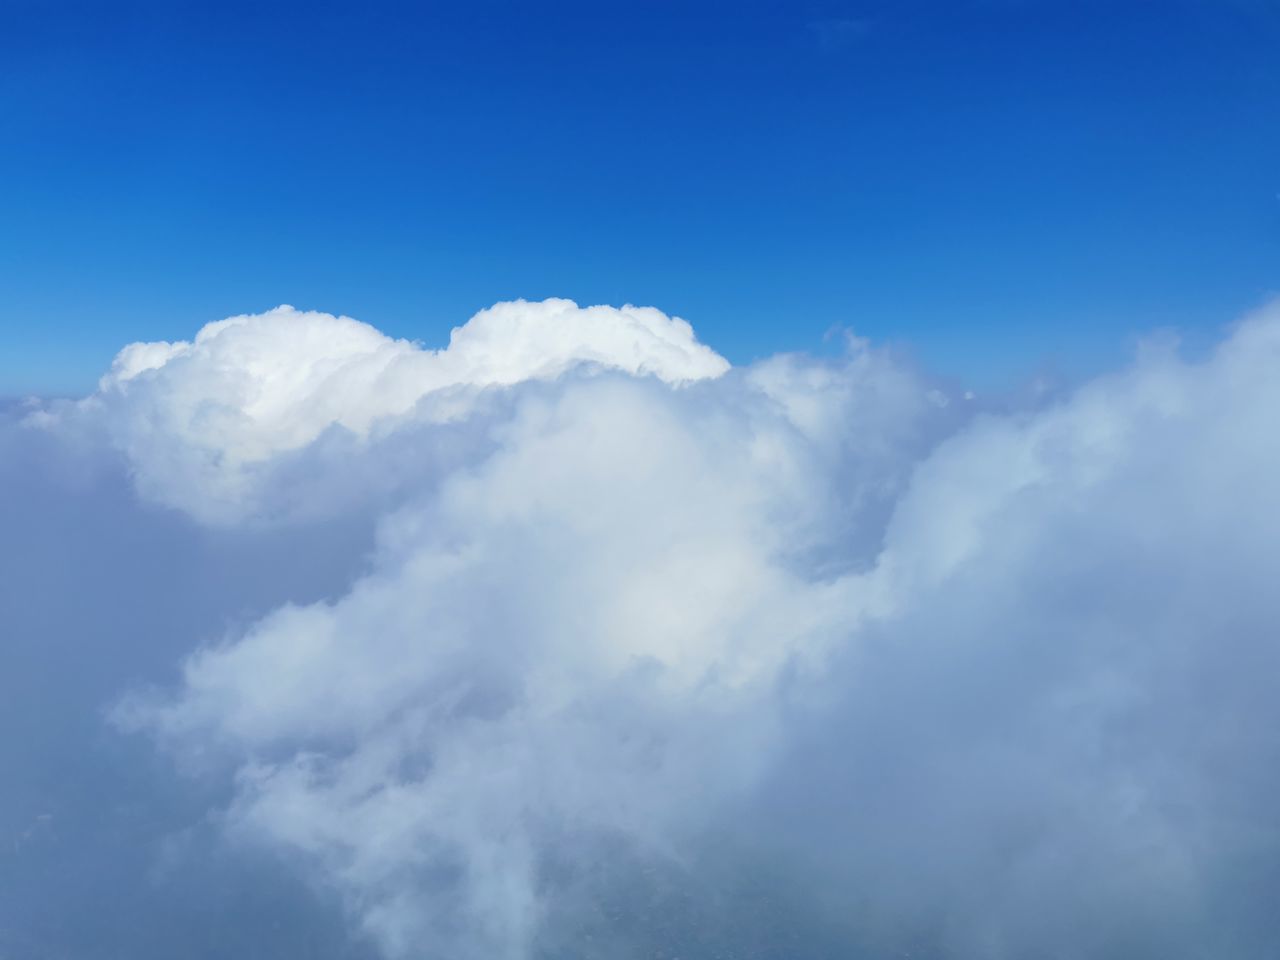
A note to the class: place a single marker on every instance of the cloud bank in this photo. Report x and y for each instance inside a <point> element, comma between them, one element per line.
<point>570,641</point>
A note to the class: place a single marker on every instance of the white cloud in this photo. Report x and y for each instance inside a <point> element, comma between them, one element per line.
<point>200,420</point>
<point>980,683</point>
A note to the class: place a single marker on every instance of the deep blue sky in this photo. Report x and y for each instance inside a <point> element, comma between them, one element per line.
<point>1003,185</point>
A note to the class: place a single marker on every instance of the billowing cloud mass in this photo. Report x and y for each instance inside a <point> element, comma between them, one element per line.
<point>570,641</point>
<point>201,420</point>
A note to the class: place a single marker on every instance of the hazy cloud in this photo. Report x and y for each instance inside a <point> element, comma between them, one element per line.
<point>569,640</point>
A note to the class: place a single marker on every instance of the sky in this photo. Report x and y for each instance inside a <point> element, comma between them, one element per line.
<point>1004,188</point>
<point>639,482</point>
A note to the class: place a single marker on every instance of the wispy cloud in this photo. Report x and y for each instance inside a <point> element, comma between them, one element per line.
<point>839,33</point>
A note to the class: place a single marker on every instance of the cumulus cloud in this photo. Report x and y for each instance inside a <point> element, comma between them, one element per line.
<point>588,645</point>
<point>202,420</point>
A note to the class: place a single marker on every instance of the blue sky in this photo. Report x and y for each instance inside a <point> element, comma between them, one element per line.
<point>314,644</point>
<point>1002,186</point>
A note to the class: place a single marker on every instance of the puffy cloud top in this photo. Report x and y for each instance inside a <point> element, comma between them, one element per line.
<point>199,415</point>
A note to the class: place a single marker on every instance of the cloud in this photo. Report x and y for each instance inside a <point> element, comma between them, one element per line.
<point>839,33</point>
<point>202,421</point>
<point>569,640</point>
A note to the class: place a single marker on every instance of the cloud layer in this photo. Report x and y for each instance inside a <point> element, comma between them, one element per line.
<point>569,640</point>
